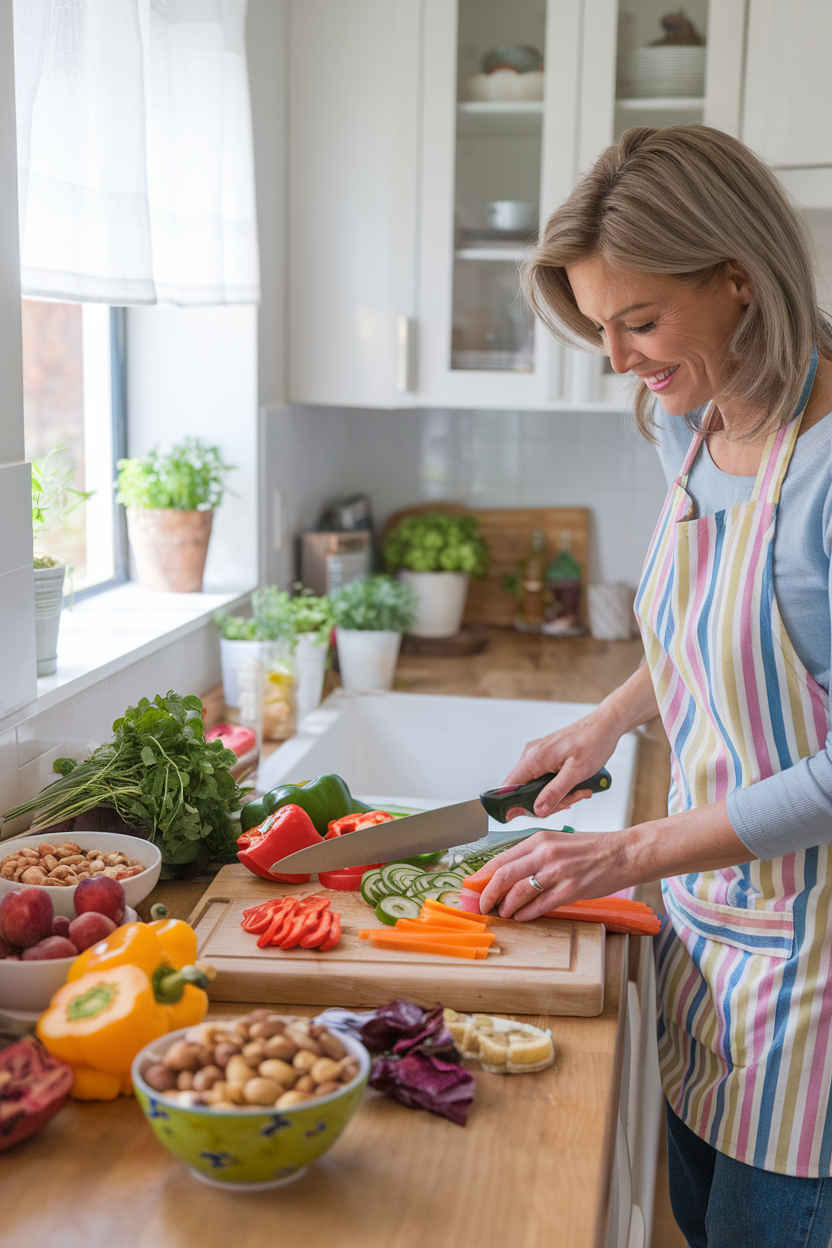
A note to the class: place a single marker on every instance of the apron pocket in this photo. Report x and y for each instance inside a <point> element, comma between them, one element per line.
<point>768,932</point>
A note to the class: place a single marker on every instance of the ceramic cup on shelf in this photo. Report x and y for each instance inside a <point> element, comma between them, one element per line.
<point>511,214</point>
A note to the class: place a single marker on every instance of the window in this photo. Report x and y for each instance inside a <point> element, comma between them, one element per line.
<point>73,387</point>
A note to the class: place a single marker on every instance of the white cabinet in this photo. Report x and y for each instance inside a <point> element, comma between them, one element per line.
<point>402,291</point>
<point>788,94</point>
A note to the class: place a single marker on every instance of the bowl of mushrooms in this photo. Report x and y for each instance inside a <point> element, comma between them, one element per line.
<point>59,863</point>
<point>249,1103</point>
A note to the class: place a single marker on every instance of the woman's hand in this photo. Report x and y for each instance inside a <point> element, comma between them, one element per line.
<point>581,749</point>
<point>580,865</point>
<point>570,866</point>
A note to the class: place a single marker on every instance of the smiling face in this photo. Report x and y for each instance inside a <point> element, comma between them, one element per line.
<point>670,333</point>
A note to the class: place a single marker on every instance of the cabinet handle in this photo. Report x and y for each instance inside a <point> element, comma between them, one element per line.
<point>406,364</point>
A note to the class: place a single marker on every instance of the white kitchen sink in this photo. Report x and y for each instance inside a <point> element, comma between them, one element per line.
<point>426,750</point>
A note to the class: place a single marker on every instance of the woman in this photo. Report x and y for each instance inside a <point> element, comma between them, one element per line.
<point>680,257</point>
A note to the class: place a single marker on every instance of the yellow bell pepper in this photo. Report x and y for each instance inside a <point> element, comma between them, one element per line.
<point>157,948</point>
<point>134,944</point>
<point>178,939</point>
<point>98,1023</point>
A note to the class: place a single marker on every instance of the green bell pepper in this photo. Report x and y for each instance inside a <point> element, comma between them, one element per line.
<point>324,799</point>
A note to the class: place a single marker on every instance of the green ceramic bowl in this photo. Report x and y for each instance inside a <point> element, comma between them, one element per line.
<point>251,1150</point>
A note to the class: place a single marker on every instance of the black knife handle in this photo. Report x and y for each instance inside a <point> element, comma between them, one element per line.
<point>498,802</point>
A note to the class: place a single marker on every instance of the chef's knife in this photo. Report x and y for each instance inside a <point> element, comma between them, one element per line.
<point>422,833</point>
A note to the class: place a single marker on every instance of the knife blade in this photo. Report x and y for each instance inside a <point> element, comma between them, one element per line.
<point>430,830</point>
<point>385,842</point>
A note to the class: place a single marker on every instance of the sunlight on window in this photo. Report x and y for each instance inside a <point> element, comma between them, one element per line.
<point>67,402</point>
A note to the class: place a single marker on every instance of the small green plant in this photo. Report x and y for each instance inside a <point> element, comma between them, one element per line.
<point>433,542</point>
<point>191,477</point>
<point>236,627</point>
<point>379,603</point>
<point>53,499</point>
<point>312,617</point>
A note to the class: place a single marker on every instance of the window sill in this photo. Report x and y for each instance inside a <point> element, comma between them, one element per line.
<point>106,633</point>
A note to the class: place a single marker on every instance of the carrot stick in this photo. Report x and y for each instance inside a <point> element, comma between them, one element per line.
<point>427,946</point>
<point>429,925</point>
<point>456,925</point>
<point>439,938</point>
<point>452,912</point>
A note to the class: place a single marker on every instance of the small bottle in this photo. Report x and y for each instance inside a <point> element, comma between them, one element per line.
<point>563,591</point>
<point>250,675</point>
<point>530,605</point>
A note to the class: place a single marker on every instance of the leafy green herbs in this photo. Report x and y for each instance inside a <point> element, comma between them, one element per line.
<point>276,617</point>
<point>378,603</point>
<point>191,477</point>
<point>433,542</point>
<point>158,773</point>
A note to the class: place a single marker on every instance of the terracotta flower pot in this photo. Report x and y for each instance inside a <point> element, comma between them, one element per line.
<point>169,547</point>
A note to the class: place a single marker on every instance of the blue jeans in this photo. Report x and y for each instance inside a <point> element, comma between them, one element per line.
<point>722,1203</point>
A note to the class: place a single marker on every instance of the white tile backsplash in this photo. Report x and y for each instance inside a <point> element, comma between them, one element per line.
<point>484,459</point>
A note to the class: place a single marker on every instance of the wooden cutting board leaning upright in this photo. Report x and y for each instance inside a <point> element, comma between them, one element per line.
<point>508,532</point>
<point>545,967</point>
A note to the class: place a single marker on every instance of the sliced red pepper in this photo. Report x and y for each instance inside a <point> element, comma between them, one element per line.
<point>347,880</point>
<point>278,925</point>
<point>334,934</point>
<point>260,919</point>
<point>312,938</point>
<point>281,834</point>
<point>294,930</point>
<point>354,823</point>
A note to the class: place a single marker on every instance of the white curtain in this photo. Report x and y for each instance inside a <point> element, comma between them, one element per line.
<point>135,161</point>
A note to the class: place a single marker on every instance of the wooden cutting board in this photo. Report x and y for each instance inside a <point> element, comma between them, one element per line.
<point>508,531</point>
<point>545,967</point>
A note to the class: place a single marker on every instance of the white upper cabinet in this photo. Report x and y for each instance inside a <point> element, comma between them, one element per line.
<point>428,142</point>
<point>787,114</point>
<point>354,98</point>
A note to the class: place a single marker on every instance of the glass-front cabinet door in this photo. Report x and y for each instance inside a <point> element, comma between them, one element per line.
<point>489,111</point>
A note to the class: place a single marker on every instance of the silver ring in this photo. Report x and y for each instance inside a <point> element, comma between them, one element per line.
<point>536,884</point>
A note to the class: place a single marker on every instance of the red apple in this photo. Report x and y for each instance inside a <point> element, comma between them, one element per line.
<point>52,947</point>
<point>101,894</point>
<point>7,950</point>
<point>89,928</point>
<point>26,916</point>
<point>60,925</point>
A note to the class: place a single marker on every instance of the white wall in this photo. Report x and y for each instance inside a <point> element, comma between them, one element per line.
<point>480,458</point>
<point>17,623</point>
<point>194,371</point>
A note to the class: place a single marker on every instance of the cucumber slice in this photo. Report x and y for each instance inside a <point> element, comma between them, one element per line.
<point>369,885</point>
<point>451,898</point>
<point>388,877</point>
<point>446,879</point>
<point>433,893</point>
<point>402,876</point>
<point>389,909</point>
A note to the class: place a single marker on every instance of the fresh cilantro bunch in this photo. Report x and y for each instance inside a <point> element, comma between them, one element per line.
<point>434,542</point>
<point>159,774</point>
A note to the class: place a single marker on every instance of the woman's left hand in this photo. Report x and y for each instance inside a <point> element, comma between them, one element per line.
<point>571,866</point>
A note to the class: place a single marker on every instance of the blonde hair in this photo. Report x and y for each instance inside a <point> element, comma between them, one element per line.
<point>683,201</point>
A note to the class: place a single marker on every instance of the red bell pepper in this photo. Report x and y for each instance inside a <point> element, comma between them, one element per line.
<point>354,823</point>
<point>279,835</point>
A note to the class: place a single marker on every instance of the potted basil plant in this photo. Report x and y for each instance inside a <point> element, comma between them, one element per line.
<point>370,617</point>
<point>436,555</point>
<point>53,501</point>
<point>170,501</point>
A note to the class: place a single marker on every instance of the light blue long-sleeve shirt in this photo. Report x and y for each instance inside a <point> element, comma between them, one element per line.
<point>792,810</point>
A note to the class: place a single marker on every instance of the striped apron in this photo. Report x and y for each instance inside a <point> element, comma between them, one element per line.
<point>744,961</point>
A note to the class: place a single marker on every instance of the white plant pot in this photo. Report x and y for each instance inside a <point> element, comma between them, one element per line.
<point>310,666</point>
<point>367,658</point>
<point>441,598</point>
<point>49,602</point>
<point>232,655</point>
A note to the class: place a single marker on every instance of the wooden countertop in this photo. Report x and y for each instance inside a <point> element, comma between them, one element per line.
<point>531,1167</point>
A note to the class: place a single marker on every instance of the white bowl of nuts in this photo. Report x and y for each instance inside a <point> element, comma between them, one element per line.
<point>60,863</point>
<point>248,1103</point>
